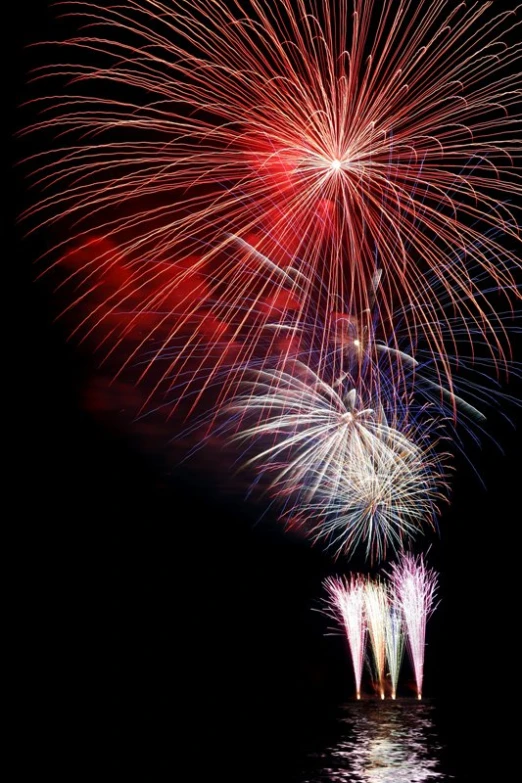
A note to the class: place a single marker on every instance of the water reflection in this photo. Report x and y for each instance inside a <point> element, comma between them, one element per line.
<point>383,742</point>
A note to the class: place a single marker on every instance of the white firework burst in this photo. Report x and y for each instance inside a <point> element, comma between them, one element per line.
<point>345,473</point>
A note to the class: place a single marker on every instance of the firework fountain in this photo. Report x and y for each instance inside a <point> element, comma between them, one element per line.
<point>376,608</point>
<point>389,613</point>
<point>415,587</point>
<point>346,604</point>
<point>394,642</point>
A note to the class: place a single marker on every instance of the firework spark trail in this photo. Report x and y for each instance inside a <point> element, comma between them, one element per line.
<point>345,131</point>
<point>415,587</point>
<point>377,610</point>
<point>406,385</point>
<point>346,601</point>
<point>348,349</point>
<point>394,642</point>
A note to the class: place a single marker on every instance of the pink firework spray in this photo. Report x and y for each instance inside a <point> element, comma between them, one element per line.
<point>415,587</point>
<point>346,603</point>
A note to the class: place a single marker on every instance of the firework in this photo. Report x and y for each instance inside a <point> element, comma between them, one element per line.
<point>415,588</point>
<point>346,475</point>
<point>277,211</point>
<point>346,602</point>
<point>394,643</point>
<point>376,609</point>
<point>340,136</point>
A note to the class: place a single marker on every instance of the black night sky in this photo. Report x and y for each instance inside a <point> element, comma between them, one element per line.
<point>165,629</point>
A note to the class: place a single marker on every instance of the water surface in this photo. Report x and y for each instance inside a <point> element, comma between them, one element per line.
<point>382,742</point>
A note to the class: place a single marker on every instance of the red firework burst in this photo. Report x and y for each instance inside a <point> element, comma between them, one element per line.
<point>236,153</point>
